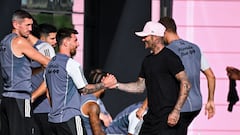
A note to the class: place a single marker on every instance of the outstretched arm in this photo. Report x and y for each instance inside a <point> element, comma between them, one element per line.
<point>210,106</point>
<point>21,46</point>
<point>107,82</point>
<point>133,87</point>
<point>183,94</point>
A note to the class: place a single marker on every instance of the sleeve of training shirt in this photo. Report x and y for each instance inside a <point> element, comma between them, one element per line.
<point>75,71</point>
<point>134,122</point>
<point>204,62</point>
<point>46,49</point>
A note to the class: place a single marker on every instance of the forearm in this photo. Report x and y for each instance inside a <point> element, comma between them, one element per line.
<point>142,109</point>
<point>211,88</point>
<point>132,87</point>
<point>145,104</point>
<point>184,90</point>
<point>39,91</point>
<point>183,94</point>
<point>91,88</point>
<point>211,80</point>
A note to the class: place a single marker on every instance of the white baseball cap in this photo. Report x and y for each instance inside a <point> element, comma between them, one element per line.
<point>152,28</point>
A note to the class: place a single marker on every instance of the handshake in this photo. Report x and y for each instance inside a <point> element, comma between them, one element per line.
<point>109,81</point>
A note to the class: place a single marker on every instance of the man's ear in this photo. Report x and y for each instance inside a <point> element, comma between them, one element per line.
<point>65,42</point>
<point>15,24</point>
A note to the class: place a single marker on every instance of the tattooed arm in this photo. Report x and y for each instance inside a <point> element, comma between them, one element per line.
<point>106,82</point>
<point>183,94</point>
<point>91,88</point>
<point>133,87</point>
<point>184,89</point>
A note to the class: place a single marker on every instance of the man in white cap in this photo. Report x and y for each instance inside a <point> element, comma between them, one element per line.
<point>162,74</point>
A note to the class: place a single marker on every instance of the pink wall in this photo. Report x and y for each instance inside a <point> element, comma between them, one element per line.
<point>155,10</point>
<point>215,27</point>
<point>78,22</point>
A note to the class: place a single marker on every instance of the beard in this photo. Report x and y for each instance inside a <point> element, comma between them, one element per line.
<point>25,35</point>
<point>73,52</point>
<point>165,43</point>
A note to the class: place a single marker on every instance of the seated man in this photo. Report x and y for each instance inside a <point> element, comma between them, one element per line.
<point>96,118</point>
<point>126,122</point>
<point>93,112</point>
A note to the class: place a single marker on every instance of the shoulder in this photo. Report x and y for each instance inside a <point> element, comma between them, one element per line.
<point>88,105</point>
<point>191,44</point>
<point>20,46</point>
<point>170,52</point>
<point>92,107</point>
<point>19,41</point>
<point>73,63</point>
<point>71,60</point>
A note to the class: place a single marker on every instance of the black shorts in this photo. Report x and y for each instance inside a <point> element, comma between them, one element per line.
<point>40,124</point>
<point>15,116</point>
<point>72,127</point>
<point>157,125</point>
<point>186,119</point>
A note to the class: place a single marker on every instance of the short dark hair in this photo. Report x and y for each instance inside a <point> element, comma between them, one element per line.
<point>64,33</point>
<point>169,23</point>
<point>46,28</point>
<point>96,75</point>
<point>35,29</point>
<point>21,14</point>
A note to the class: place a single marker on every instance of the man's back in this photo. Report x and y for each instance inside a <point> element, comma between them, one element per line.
<point>120,123</point>
<point>63,92</point>
<point>190,55</point>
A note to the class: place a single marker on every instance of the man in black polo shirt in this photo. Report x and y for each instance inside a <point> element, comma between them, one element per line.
<point>162,74</point>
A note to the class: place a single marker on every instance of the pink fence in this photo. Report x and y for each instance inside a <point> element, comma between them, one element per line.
<point>215,27</point>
